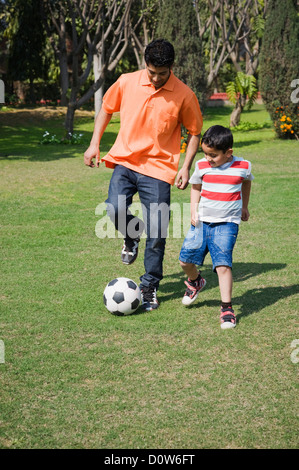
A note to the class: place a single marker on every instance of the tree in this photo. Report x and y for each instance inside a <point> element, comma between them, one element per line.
<point>182,31</point>
<point>115,28</point>
<point>79,30</point>
<point>280,65</point>
<point>237,91</point>
<point>26,38</point>
<point>144,20</point>
<point>230,30</point>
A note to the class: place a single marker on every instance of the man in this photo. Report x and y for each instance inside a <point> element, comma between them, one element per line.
<point>153,104</point>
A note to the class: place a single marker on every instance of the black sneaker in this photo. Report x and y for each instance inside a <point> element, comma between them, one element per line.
<point>129,250</point>
<point>192,291</point>
<point>227,318</point>
<point>149,298</point>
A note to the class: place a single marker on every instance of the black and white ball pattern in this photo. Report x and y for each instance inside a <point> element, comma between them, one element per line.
<point>121,296</point>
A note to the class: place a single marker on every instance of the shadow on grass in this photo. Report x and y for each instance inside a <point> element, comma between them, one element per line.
<point>252,301</point>
<point>26,146</point>
<point>255,300</point>
<point>210,112</point>
<point>245,143</point>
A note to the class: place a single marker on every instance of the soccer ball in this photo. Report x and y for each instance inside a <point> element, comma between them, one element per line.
<point>121,296</point>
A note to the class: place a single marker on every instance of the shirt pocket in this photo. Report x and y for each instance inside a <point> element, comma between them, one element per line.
<point>164,122</point>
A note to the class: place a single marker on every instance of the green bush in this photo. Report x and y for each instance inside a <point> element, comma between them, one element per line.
<point>279,66</point>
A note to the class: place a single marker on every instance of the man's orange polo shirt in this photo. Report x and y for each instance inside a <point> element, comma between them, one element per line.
<point>150,133</point>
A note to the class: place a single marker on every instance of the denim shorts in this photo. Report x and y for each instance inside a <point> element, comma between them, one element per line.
<point>217,238</point>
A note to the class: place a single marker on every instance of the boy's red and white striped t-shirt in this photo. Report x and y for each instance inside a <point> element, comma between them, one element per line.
<point>221,192</point>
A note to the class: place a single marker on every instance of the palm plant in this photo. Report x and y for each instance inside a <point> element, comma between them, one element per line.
<point>238,91</point>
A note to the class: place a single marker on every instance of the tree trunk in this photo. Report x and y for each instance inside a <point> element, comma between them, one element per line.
<point>236,114</point>
<point>19,89</point>
<point>64,79</point>
<point>31,90</point>
<point>98,99</point>
<point>69,120</point>
<point>98,96</point>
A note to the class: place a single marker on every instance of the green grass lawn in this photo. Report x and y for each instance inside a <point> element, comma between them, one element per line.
<point>75,376</point>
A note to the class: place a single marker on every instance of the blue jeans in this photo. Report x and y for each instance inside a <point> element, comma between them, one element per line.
<point>217,238</point>
<point>154,196</point>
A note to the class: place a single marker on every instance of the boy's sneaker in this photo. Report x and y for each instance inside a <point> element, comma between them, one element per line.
<point>149,298</point>
<point>193,289</point>
<point>227,318</point>
<point>129,250</point>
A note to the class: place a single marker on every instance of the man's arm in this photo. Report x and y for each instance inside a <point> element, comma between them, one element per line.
<point>182,178</point>
<point>93,151</point>
<point>246,187</point>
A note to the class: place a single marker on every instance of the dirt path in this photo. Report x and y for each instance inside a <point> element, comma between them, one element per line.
<point>36,115</point>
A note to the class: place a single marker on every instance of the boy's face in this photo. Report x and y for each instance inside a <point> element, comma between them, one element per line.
<point>158,76</point>
<point>217,157</point>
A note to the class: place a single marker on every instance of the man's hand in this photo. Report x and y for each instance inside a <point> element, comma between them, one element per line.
<point>182,178</point>
<point>92,152</point>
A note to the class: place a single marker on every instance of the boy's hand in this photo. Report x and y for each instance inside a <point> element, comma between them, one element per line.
<point>92,152</point>
<point>245,214</point>
<point>194,219</point>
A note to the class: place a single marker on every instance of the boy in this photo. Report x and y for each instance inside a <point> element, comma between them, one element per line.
<point>220,192</point>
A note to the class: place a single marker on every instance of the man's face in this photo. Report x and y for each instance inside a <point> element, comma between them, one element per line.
<point>158,76</point>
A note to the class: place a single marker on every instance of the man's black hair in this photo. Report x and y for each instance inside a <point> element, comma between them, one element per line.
<point>218,137</point>
<point>159,53</point>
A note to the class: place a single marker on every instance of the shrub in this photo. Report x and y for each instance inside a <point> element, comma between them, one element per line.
<point>279,66</point>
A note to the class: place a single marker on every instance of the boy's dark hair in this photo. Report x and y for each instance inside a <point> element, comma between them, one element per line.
<point>218,137</point>
<point>159,53</point>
